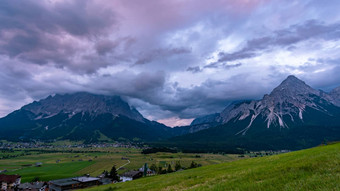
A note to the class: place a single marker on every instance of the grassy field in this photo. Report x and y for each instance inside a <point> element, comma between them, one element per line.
<point>312,169</point>
<point>94,161</point>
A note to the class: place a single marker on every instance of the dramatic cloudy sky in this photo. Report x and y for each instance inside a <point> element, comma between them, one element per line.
<point>171,59</point>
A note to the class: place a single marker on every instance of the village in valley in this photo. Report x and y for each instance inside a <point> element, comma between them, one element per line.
<point>13,182</point>
<point>56,167</point>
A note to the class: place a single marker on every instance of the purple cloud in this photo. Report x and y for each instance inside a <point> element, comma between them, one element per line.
<point>170,59</point>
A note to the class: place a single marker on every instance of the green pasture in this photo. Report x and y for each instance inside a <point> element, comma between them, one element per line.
<point>312,169</point>
<point>70,162</point>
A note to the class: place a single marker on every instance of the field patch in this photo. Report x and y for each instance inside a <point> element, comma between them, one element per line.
<point>312,169</point>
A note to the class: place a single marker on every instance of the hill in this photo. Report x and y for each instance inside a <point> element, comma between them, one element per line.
<point>311,169</point>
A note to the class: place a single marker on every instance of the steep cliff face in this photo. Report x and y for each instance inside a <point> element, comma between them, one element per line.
<point>81,103</point>
<point>293,116</point>
<point>80,116</point>
<point>286,104</point>
<point>335,94</point>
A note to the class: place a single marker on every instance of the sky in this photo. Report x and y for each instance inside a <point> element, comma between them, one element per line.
<point>172,60</point>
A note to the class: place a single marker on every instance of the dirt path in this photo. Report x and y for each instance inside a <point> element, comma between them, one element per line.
<point>124,164</point>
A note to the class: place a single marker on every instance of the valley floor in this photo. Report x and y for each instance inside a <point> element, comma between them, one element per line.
<point>66,163</point>
<point>311,169</point>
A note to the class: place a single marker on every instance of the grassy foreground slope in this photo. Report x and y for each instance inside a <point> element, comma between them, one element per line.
<point>311,169</point>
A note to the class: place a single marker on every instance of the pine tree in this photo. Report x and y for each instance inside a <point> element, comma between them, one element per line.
<point>193,165</point>
<point>113,174</point>
<point>169,170</point>
<point>178,166</point>
<point>153,167</point>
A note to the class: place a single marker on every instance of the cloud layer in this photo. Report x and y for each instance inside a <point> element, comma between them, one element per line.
<point>173,60</point>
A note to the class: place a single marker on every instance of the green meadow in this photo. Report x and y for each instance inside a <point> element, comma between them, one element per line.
<point>65,163</point>
<point>311,169</point>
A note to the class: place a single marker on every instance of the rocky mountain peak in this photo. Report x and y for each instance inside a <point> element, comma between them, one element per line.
<point>335,91</point>
<point>335,94</point>
<point>83,102</point>
<point>286,104</point>
<point>291,87</point>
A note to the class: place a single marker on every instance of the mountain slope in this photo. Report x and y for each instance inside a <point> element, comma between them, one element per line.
<point>312,169</point>
<point>80,116</point>
<point>292,116</point>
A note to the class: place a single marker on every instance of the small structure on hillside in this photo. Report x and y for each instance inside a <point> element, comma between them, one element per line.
<point>63,184</point>
<point>73,183</point>
<point>35,186</point>
<point>131,175</point>
<point>147,172</point>
<point>38,164</point>
<point>105,180</point>
<point>8,182</point>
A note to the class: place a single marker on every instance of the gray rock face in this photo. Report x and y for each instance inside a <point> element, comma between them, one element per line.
<point>335,94</point>
<point>80,103</point>
<point>290,98</point>
<point>206,119</point>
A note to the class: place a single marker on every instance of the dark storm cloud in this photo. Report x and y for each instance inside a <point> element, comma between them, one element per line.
<point>126,83</point>
<point>194,69</point>
<point>285,38</point>
<point>214,65</point>
<point>169,58</point>
<point>224,65</point>
<point>42,32</point>
<point>161,53</point>
<point>211,95</point>
<point>108,46</point>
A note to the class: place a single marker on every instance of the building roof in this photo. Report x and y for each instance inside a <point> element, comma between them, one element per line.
<point>85,179</point>
<point>36,185</point>
<point>8,178</point>
<point>131,173</point>
<point>64,182</point>
<point>105,180</point>
<point>70,181</point>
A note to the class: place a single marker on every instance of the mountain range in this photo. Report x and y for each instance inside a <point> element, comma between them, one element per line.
<point>292,116</point>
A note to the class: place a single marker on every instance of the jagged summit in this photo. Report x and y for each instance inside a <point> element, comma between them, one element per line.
<point>292,82</point>
<point>292,78</point>
<point>287,104</point>
<point>292,116</point>
<point>80,116</point>
<point>293,86</point>
<point>83,102</point>
<point>335,91</point>
<point>335,94</point>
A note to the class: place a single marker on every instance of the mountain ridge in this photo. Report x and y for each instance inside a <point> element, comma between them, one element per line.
<point>81,116</point>
<point>83,102</point>
<point>292,90</point>
<point>292,116</point>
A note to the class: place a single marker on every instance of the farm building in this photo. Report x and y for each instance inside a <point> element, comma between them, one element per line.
<point>131,175</point>
<point>73,183</point>
<point>149,172</point>
<point>8,182</point>
<point>35,186</point>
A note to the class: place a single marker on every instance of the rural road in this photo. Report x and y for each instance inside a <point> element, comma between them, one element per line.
<point>124,164</point>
